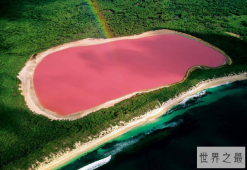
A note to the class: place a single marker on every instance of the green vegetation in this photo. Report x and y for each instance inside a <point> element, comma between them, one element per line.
<point>31,26</point>
<point>237,22</point>
<point>134,16</point>
<point>244,23</point>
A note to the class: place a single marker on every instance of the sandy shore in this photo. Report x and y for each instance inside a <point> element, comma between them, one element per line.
<point>234,35</point>
<point>64,157</point>
<point>26,74</point>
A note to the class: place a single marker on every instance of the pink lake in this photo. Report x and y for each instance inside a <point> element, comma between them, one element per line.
<point>80,78</point>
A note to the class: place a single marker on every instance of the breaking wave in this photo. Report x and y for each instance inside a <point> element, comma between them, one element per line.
<point>188,101</point>
<point>121,145</point>
<point>163,126</point>
<point>197,95</point>
<point>96,164</point>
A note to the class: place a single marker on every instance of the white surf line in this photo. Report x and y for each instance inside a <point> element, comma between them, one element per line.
<point>201,93</point>
<point>96,164</point>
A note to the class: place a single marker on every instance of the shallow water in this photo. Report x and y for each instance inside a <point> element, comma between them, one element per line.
<point>214,117</point>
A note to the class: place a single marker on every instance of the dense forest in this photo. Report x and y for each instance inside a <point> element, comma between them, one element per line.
<point>32,26</point>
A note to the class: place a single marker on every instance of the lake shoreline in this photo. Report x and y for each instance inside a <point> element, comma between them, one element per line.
<point>27,73</point>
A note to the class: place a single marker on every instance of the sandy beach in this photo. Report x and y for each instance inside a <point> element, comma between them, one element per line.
<point>234,35</point>
<point>27,73</point>
<point>64,157</point>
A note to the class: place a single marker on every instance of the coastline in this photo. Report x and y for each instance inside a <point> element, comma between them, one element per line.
<point>64,157</point>
<point>26,74</point>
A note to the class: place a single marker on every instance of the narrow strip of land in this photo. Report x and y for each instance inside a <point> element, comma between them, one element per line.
<point>64,157</point>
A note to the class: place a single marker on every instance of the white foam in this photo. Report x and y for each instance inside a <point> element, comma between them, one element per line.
<point>201,93</point>
<point>96,164</point>
<point>173,124</point>
<point>120,146</point>
<point>163,126</point>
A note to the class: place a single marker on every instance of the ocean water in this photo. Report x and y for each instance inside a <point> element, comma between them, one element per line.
<point>213,117</point>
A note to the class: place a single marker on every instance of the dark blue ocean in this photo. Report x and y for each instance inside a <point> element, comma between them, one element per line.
<point>213,117</point>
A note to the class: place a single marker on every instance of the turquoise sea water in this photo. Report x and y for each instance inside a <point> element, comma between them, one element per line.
<point>213,117</point>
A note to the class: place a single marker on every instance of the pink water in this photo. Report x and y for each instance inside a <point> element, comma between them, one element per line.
<point>80,78</point>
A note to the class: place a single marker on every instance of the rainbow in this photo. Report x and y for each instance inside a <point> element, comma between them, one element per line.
<point>100,18</point>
